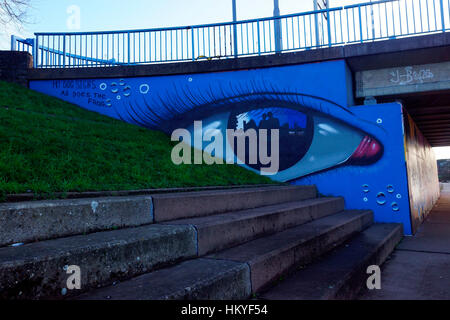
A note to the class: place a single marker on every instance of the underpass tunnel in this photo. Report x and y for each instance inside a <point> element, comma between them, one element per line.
<point>431,113</point>
<point>423,90</point>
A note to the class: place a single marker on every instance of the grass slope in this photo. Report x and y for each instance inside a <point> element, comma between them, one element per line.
<point>47,146</point>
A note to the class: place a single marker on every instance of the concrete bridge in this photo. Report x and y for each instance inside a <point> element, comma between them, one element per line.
<point>415,71</point>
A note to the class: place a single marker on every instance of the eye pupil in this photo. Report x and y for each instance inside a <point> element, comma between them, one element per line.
<point>294,127</point>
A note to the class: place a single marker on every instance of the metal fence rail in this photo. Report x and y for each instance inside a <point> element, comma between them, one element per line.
<point>385,19</point>
<point>19,44</point>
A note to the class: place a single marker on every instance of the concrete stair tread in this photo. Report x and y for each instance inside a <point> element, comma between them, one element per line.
<point>246,225</point>
<point>248,213</point>
<point>64,246</point>
<point>102,257</point>
<point>26,222</point>
<point>175,206</point>
<point>231,191</point>
<point>341,273</point>
<point>287,239</point>
<point>275,255</point>
<point>195,279</point>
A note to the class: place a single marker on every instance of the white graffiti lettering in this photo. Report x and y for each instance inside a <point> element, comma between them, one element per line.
<point>410,76</point>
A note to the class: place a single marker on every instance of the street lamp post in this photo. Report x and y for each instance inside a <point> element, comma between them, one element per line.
<point>316,20</point>
<point>373,20</point>
<point>317,6</point>
<point>277,22</point>
<point>235,29</point>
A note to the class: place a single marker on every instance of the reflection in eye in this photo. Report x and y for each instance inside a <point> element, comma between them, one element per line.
<point>311,139</point>
<point>295,132</point>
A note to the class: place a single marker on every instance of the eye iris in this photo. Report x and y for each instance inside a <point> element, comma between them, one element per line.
<point>295,132</point>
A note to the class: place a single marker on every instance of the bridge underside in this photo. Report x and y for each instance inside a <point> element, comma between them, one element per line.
<point>431,112</point>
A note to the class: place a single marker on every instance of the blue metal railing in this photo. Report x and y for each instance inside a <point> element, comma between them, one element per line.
<point>378,20</point>
<point>19,44</point>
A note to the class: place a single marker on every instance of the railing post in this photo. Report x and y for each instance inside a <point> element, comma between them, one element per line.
<point>13,43</point>
<point>35,52</point>
<point>259,38</point>
<point>64,51</point>
<point>329,27</point>
<point>360,24</point>
<point>193,43</point>
<point>129,49</point>
<point>442,15</point>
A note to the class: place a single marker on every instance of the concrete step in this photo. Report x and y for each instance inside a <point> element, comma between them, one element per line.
<point>271,257</point>
<point>199,279</point>
<point>237,272</point>
<point>342,273</point>
<point>246,225</point>
<point>38,270</point>
<point>168,207</point>
<point>26,222</point>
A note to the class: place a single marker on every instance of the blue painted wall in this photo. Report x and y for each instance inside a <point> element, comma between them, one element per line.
<point>355,152</point>
<point>381,187</point>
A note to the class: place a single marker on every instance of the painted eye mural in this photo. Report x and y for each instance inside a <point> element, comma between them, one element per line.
<point>325,139</point>
<point>311,140</point>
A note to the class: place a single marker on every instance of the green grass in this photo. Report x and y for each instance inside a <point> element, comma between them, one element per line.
<point>49,146</point>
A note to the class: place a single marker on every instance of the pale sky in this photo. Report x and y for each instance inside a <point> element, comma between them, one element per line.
<point>442,153</point>
<point>97,15</point>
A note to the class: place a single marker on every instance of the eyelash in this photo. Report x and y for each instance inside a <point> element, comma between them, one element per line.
<point>174,105</point>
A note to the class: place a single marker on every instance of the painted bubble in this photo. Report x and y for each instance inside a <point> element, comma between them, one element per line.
<point>119,97</point>
<point>144,88</point>
<point>395,207</point>
<point>366,199</point>
<point>366,188</point>
<point>114,88</point>
<point>122,82</point>
<point>381,198</point>
<point>127,91</point>
<point>108,103</point>
<point>399,196</point>
<point>390,188</point>
<point>103,86</point>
